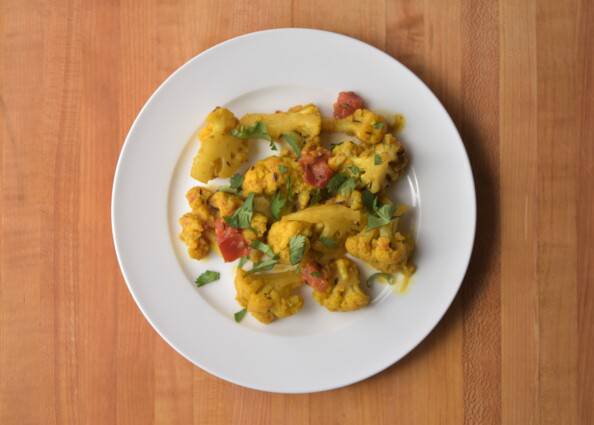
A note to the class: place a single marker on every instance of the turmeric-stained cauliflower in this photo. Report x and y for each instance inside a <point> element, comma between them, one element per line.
<point>280,234</point>
<point>196,223</point>
<point>304,120</point>
<point>344,292</point>
<point>257,227</point>
<point>384,248</point>
<point>386,159</point>
<point>269,296</point>
<point>220,154</point>
<point>225,203</point>
<point>364,124</point>
<point>343,153</point>
<point>333,221</point>
<point>270,174</point>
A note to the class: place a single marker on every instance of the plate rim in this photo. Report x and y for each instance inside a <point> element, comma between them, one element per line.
<point>125,147</point>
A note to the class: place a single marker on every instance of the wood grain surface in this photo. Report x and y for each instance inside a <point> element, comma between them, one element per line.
<point>516,347</point>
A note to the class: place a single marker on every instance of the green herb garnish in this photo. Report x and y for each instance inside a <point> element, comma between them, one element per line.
<point>377,159</point>
<point>263,248</point>
<point>355,171</point>
<point>264,265</point>
<point>370,201</point>
<point>294,142</point>
<point>283,169</point>
<point>316,195</point>
<point>240,315</point>
<point>328,242</point>
<point>235,183</point>
<point>296,249</point>
<point>383,216</point>
<point>207,277</point>
<point>335,182</point>
<point>277,204</point>
<point>243,260</point>
<point>242,217</point>
<point>378,125</point>
<point>257,130</point>
<point>348,186</point>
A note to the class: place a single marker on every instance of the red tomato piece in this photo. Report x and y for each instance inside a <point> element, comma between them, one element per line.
<point>316,170</point>
<point>312,275</point>
<point>347,103</point>
<point>230,241</point>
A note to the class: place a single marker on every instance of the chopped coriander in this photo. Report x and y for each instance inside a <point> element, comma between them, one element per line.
<point>378,125</point>
<point>328,242</point>
<point>316,195</point>
<point>277,204</point>
<point>242,217</point>
<point>243,260</point>
<point>272,145</point>
<point>385,276</point>
<point>383,216</point>
<point>294,142</point>
<point>370,201</point>
<point>377,159</point>
<point>335,182</point>
<point>240,315</point>
<point>263,248</point>
<point>256,131</point>
<point>236,181</point>
<point>355,171</point>
<point>348,186</point>
<point>289,187</point>
<point>296,249</point>
<point>264,265</point>
<point>283,169</point>
<point>207,277</point>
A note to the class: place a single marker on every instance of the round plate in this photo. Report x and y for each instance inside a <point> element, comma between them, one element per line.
<point>314,350</point>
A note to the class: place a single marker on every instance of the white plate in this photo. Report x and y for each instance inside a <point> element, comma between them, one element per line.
<point>314,350</point>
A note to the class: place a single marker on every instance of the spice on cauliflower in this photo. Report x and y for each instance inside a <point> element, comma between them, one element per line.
<point>280,234</point>
<point>269,296</point>
<point>364,124</point>
<point>344,292</point>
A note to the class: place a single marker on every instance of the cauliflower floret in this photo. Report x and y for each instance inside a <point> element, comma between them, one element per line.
<point>198,198</point>
<point>386,159</point>
<point>364,124</point>
<point>305,120</point>
<point>334,221</point>
<point>258,227</point>
<point>194,235</point>
<point>383,248</point>
<point>269,296</point>
<point>220,154</point>
<point>343,153</point>
<point>344,292</point>
<point>265,176</point>
<point>280,234</point>
<point>352,199</point>
<point>225,202</point>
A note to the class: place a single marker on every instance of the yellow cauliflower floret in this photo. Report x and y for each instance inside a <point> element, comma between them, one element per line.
<point>364,124</point>
<point>269,296</point>
<point>386,159</point>
<point>220,154</point>
<point>334,221</point>
<point>353,200</point>
<point>225,202</point>
<point>198,198</point>
<point>383,248</point>
<point>344,292</point>
<point>304,120</point>
<point>258,227</point>
<point>193,234</point>
<point>266,177</point>
<point>280,234</point>
<point>343,153</point>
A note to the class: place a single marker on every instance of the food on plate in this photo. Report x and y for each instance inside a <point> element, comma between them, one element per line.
<point>300,216</point>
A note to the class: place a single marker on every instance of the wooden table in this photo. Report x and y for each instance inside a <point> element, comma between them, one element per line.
<point>517,346</point>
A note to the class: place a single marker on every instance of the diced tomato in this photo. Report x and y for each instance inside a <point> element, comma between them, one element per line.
<point>312,275</point>
<point>230,241</point>
<point>347,103</point>
<point>316,170</point>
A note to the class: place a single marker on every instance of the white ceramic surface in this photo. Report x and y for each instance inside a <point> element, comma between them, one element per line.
<point>314,350</point>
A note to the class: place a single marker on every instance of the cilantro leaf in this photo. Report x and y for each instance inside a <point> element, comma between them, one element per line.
<point>242,217</point>
<point>240,315</point>
<point>263,248</point>
<point>369,200</point>
<point>272,145</point>
<point>264,265</point>
<point>207,277</point>
<point>378,125</point>
<point>294,142</point>
<point>277,204</point>
<point>377,159</point>
<point>328,242</point>
<point>296,249</point>
<point>257,130</point>
<point>243,260</point>
<point>355,171</point>
<point>236,181</point>
<point>283,169</point>
<point>383,216</point>
<point>335,182</point>
<point>348,186</point>
<point>316,195</point>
